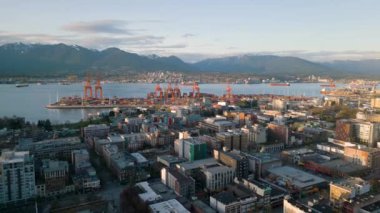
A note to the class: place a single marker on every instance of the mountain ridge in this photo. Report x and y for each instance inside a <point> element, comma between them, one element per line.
<point>20,59</point>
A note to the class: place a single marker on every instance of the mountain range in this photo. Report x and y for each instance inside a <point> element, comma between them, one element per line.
<point>19,59</point>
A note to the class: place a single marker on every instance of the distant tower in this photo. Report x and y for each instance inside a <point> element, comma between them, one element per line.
<point>229,95</point>
<point>158,92</point>
<point>177,91</point>
<point>169,91</point>
<point>87,89</point>
<point>196,90</point>
<point>98,90</point>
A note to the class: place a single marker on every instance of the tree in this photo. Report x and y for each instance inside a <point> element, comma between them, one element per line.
<point>47,125</point>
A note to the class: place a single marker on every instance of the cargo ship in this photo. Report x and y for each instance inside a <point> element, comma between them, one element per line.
<point>279,84</point>
<point>325,91</point>
<point>22,85</point>
<point>331,84</point>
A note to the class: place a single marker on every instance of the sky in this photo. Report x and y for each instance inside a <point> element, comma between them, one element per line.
<point>322,30</point>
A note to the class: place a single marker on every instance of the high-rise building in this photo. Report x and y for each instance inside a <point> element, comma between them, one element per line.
<point>354,130</point>
<point>278,133</point>
<point>235,161</point>
<point>257,134</point>
<point>218,176</point>
<point>236,140</point>
<point>17,176</point>
<point>343,130</point>
<point>190,148</point>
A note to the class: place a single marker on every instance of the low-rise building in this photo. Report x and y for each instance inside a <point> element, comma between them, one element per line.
<point>259,163</point>
<point>234,199</point>
<point>80,159</point>
<point>182,184</point>
<point>365,156</point>
<point>169,160</point>
<point>296,180</point>
<point>96,130</point>
<point>60,148</point>
<point>217,124</point>
<point>55,176</point>
<point>168,206</point>
<point>347,189</point>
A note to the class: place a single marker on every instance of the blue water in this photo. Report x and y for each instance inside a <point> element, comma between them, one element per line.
<point>30,102</point>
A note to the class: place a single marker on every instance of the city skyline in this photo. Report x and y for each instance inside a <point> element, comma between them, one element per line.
<point>193,30</point>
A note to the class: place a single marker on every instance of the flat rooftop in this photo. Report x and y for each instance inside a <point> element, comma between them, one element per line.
<point>147,195</point>
<point>216,168</point>
<point>170,158</point>
<point>262,156</point>
<point>344,166</point>
<point>186,166</point>
<point>201,205</point>
<point>170,206</point>
<point>373,207</point>
<point>139,157</point>
<point>297,177</point>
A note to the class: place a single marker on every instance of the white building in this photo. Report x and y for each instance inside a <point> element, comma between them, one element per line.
<point>256,134</point>
<point>366,132</point>
<point>218,176</point>
<point>17,179</point>
<point>170,206</point>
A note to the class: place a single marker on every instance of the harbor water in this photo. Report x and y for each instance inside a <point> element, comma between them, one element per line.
<point>30,102</point>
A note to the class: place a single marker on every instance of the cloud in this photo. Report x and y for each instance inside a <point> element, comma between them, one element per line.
<point>171,46</point>
<point>326,55</point>
<point>7,37</point>
<point>187,35</point>
<point>99,26</point>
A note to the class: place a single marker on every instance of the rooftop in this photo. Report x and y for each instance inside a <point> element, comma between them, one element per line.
<point>344,166</point>
<point>373,207</point>
<point>297,177</point>
<point>170,158</point>
<point>14,157</point>
<point>51,165</point>
<point>262,156</point>
<point>115,138</point>
<point>170,206</point>
<point>179,176</point>
<point>123,160</point>
<point>196,164</point>
<point>193,140</point>
<point>217,168</point>
<point>351,183</point>
<point>225,197</point>
<point>139,157</point>
<point>201,205</point>
<point>147,195</point>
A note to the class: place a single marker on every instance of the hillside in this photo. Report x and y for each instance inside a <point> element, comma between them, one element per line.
<point>38,59</point>
<point>266,65</point>
<point>18,59</point>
